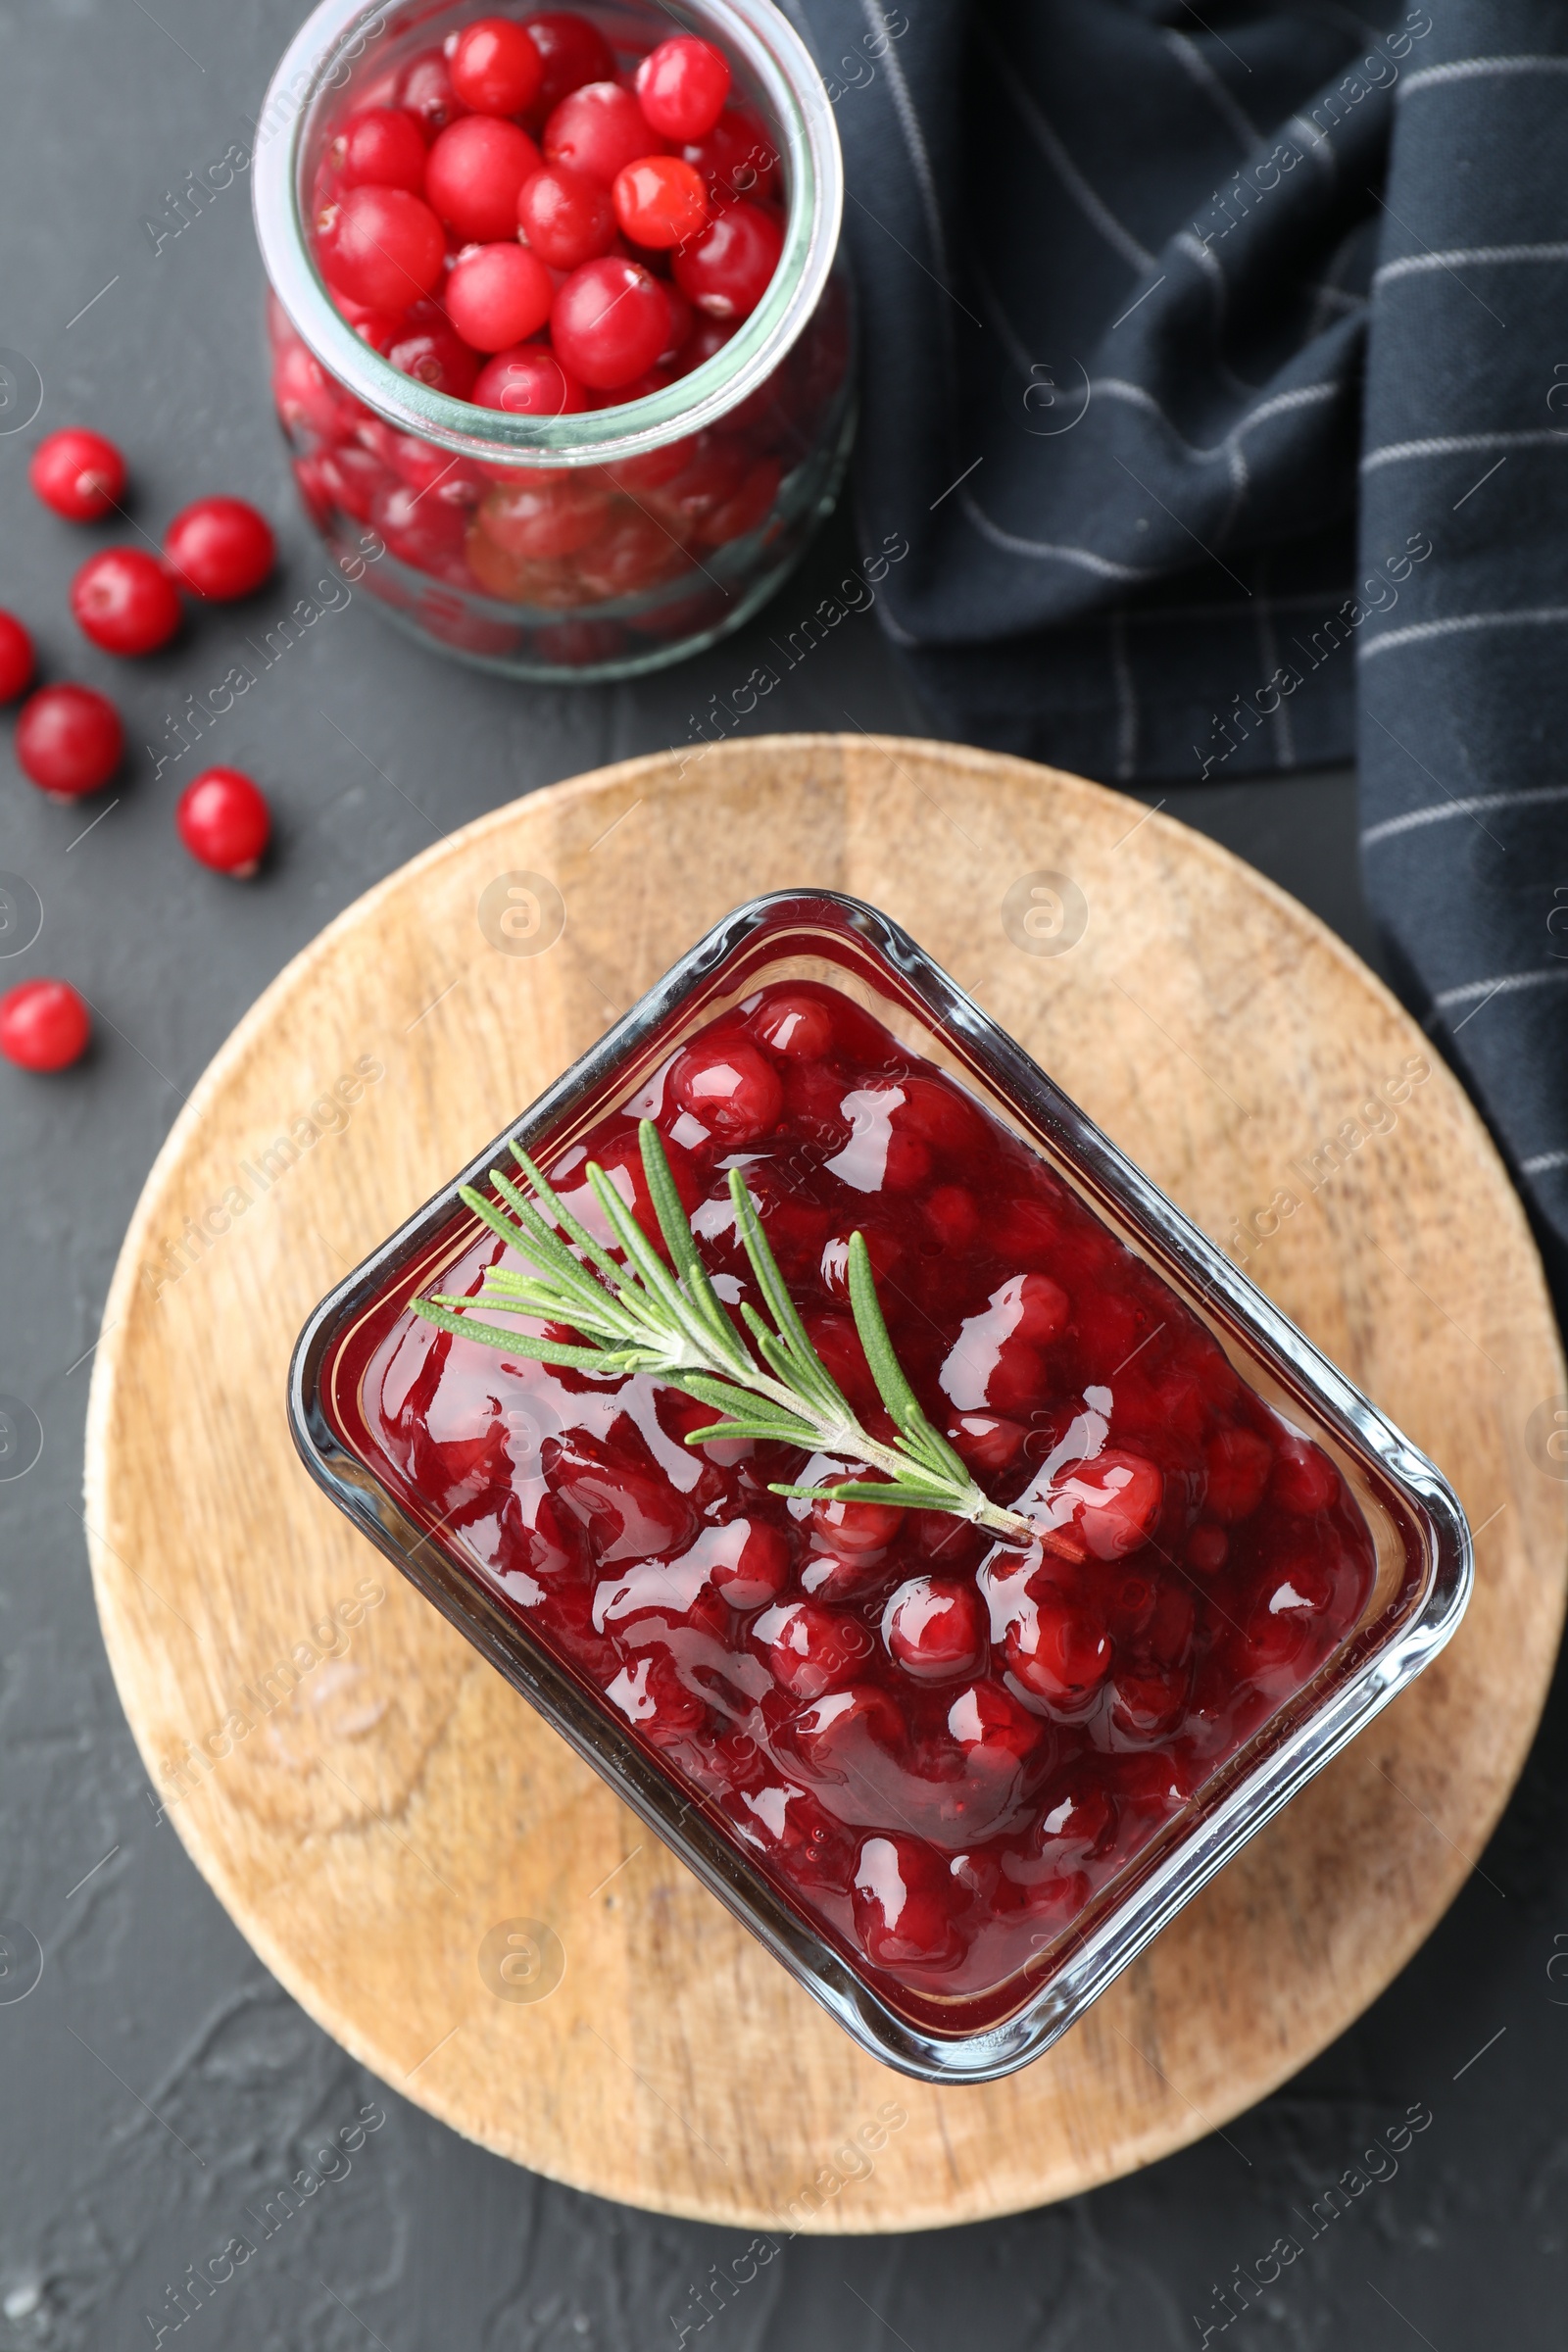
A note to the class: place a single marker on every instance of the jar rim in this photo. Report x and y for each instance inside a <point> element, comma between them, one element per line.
<point>314,71</point>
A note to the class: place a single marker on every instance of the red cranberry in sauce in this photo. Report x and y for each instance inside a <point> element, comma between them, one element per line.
<point>902,1896</point>
<point>798,1026</point>
<point>933,1628</point>
<point>1059,1654</point>
<point>729,1088</point>
<point>809,1649</point>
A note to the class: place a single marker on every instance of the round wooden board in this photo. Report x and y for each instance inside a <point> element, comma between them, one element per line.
<point>368,1833</point>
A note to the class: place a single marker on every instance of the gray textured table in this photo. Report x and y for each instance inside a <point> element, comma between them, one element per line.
<point>156,2084</point>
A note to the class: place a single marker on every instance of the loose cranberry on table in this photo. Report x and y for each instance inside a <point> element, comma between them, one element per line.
<point>69,741</point>
<point>125,600</point>
<point>45,1025</point>
<point>476,169</point>
<point>78,473</point>
<point>221,548</point>
<point>223,820</point>
<point>495,68</point>
<point>16,658</point>
<point>682,87</point>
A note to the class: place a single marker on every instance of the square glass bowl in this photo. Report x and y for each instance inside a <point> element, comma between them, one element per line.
<point>954,1924</point>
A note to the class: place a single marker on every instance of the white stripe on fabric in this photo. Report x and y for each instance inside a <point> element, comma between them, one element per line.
<point>1471,806</point>
<point>1126,701</point>
<point>1317,144</point>
<point>1540,617</point>
<point>1454,445</point>
<point>913,135</point>
<point>1193,61</point>
<point>1509,985</point>
<point>1084,557</point>
<point>1193,247</point>
<point>1269,647</point>
<point>1470,257</point>
<point>1137,396</point>
<point>1541,1163</point>
<point>1478,69</point>
<point>1093,208</point>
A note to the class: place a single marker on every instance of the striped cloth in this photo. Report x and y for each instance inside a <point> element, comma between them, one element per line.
<point>1139,284</point>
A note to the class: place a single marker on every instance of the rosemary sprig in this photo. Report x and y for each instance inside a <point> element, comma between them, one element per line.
<point>642,1316</point>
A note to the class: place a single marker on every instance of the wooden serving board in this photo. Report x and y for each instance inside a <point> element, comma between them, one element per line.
<point>378,1832</point>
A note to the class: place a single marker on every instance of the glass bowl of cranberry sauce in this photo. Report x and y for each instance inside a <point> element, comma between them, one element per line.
<point>953,1783</point>
<point>508,492</point>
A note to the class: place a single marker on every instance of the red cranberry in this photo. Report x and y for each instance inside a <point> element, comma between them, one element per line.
<point>799,1026</point>
<point>660,201</point>
<point>714,471</point>
<point>1117,1499</point>
<point>223,820</point>
<point>1059,1653</point>
<point>652,468</point>
<point>987,1441</point>
<point>754,1565</point>
<point>78,473</point>
<point>1147,1702</point>
<point>832,1734</point>
<point>497,295</point>
<point>951,1217</point>
<point>932,1626</point>
<point>221,548</point>
<point>1238,1463</point>
<point>649,1692</point>
<point>706,336</point>
<point>598,130</point>
<point>476,169</point>
<point>1287,1615</point>
<point>380,246</point>
<point>728,269</point>
<point>682,87</point>
<point>574,51</point>
<point>69,739</point>
<point>809,1649</point>
<point>542,513</point>
<point>309,400</point>
<point>632,553</point>
<point>125,600</point>
<point>1077,1822</point>
<point>1207,1548</point>
<point>528,381</point>
<point>790,1829</point>
<point>836,1579</point>
<point>730,1088</point>
<point>495,68</point>
<point>902,1893</point>
<point>610,322</point>
<point>427,347</point>
<point>565,217</point>
<point>424,88</point>
<point>736,158</point>
<point>991,1730</point>
<point>855,1529</point>
<point>1304,1480</point>
<point>45,1025</point>
<point>940,1116</point>
<point>381,146</point>
<point>16,658</point>
<point>748,507</point>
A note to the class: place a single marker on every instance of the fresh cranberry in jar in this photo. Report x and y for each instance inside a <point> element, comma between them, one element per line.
<point>425,89</point>
<point>748,506</point>
<point>221,548</point>
<point>427,347</point>
<point>497,295</point>
<point>77,473</point>
<point>728,269</point>
<point>652,468</point>
<point>125,600</point>
<point>660,201</point>
<point>572,51</point>
<point>633,552</point>
<point>421,529</point>
<point>16,658</point>
<point>682,85</point>
<point>610,322</point>
<point>528,381</point>
<point>543,514</point>
<point>45,1025</point>
<point>736,158</point>
<point>932,1626</point>
<point>380,146</point>
<point>729,1087</point>
<point>566,218</point>
<point>1059,1653</point>
<point>809,1649</point>
<point>902,1904</point>
<point>380,246</point>
<point>308,402</point>
<point>598,129</point>
<point>478,169</point>
<point>224,823</point>
<point>495,68</point>
<point>706,338</point>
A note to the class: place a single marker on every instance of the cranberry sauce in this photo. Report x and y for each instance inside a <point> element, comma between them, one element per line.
<point>938,1747</point>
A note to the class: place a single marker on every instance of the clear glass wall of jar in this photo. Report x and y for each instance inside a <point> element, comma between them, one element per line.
<point>580,547</point>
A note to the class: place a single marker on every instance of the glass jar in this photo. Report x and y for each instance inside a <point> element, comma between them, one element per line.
<point>953,1782</point>
<point>586,546</point>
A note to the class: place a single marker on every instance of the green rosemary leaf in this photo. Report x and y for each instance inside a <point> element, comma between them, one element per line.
<point>680,1239</point>
<point>512,1342</point>
<point>888,1373</point>
<point>811,1375</point>
<point>561,1215</point>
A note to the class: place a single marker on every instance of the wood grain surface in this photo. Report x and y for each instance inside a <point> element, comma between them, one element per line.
<point>374,1825</point>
